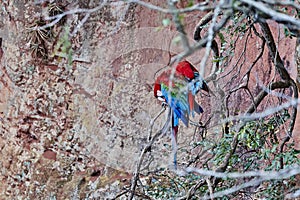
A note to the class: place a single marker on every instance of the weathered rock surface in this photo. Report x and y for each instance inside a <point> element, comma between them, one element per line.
<point>77,131</point>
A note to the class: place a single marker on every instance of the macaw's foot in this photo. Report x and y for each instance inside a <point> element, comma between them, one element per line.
<point>198,125</point>
<point>148,149</point>
<point>201,125</point>
<point>164,105</point>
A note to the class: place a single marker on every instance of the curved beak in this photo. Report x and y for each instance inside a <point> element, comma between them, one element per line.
<point>205,87</point>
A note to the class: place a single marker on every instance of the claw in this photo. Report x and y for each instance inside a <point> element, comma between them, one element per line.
<point>164,104</point>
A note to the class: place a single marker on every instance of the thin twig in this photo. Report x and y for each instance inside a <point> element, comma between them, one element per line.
<point>200,7</point>
<point>142,155</point>
<point>58,17</point>
<point>153,120</point>
<point>267,175</point>
<point>210,37</point>
<point>277,16</point>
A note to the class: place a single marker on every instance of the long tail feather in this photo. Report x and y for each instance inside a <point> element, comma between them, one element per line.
<point>174,132</point>
<point>198,108</point>
<point>174,145</point>
<point>191,100</point>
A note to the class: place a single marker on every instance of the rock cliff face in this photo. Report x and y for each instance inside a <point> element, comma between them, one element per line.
<point>66,129</point>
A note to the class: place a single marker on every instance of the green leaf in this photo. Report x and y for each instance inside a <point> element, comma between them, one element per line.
<point>166,22</point>
<point>191,3</point>
<point>297,151</point>
<point>181,18</point>
<point>222,38</point>
<point>176,39</point>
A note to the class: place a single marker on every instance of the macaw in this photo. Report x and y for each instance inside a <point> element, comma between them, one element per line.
<point>185,84</point>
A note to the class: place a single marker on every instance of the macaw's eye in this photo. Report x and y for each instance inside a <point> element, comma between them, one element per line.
<point>187,79</point>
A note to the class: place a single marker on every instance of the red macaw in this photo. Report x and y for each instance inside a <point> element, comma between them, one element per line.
<point>185,84</point>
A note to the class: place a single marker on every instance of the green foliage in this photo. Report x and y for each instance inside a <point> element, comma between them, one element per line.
<point>166,22</point>
<point>260,143</point>
<point>258,149</point>
<point>63,47</point>
<point>41,39</point>
<point>190,3</point>
<point>259,139</point>
<point>176,40</point>
<point>222,148</point>
<point>250,137</point>
<point>165,185</point>
<point>288,33</point>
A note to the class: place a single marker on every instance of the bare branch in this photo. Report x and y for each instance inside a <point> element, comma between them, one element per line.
<point>200,7</point>
<point>293,195</point>
<point>259,115</point>
<point>283,3</point>
<point>81,22</point>
<point>179,26</point>
<point>193,189</point>
<point>264,93</point>
<point>153,120</point>
<point>277,16</point>
<point>214,45</point>
<point>210,36</point>
<point>274,52</point>
<point>261,176</point>
<point>279,65</point>
<point>143,153</point>
<point>203,41</point>
<point>57,18</point>
<point>266,175</point>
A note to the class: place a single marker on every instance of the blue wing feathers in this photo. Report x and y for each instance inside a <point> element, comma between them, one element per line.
<point>181,99</point>
<point>179,105</point>
<point>198,108</point>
